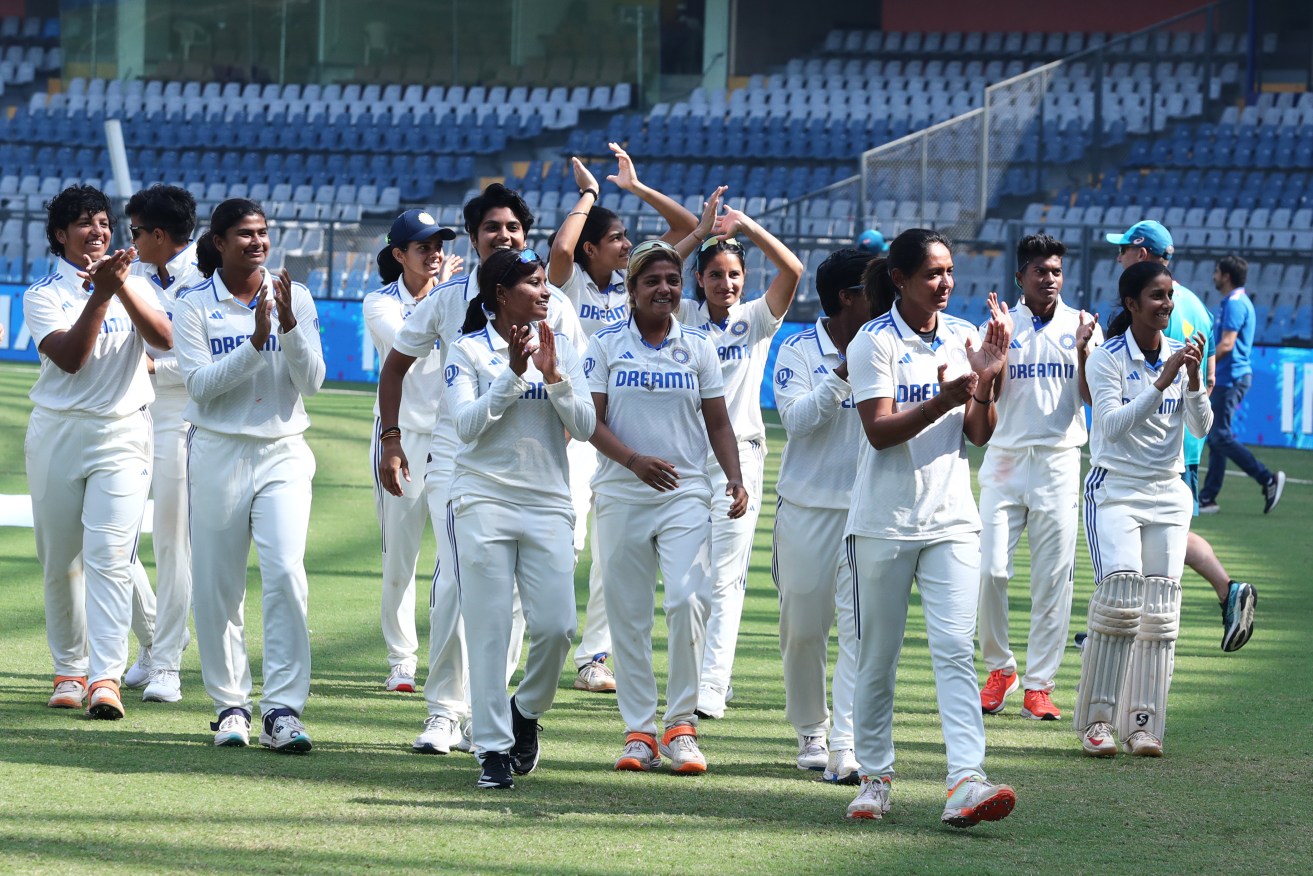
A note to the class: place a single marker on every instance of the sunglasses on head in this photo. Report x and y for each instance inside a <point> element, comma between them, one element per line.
<point>525,256</point>
<point>650,245</point>
<point>728,244</point>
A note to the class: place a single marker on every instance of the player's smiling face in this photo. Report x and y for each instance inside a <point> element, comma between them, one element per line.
<point>500,228</point>
<point>656,291</point>
<point>611,253</point>
<point>246,244</point>
<point>1152,311</point>
<point>87,236</point>
<point>1041,283</point>
<point>927,290</point>
<point>722,280</point>
<point>420,259</point>
<point>525,300</point>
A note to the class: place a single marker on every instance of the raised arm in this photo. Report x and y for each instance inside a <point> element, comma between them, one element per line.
<point>560,263</point>
<point>679,221</point>
<point>788,270</point>
<point>710,208</point>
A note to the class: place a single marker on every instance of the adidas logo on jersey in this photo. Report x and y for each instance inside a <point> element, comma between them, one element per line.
<point>626,355</point>
<point>1134,375</point>
<point>821,369</point>
<point>1016,344</point>
<point>216,314</point>
<point>906,360</point>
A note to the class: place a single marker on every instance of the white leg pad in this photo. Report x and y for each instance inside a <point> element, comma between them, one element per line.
<point>1144,697</point>
<point>1114,617</point>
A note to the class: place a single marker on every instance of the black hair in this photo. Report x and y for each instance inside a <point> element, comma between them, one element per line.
<point>224,217</point>
<point>704,257</point>
<point>596,226</point>
<point>836,275</point>
<point>1131,285</point>
<point>1038,246</point>
<point>389,269</point>
<point>64,209</point>
<point>503,268</point>
<point>879,286</point>
<point>169,208</point>
<point>494,196</point>
<point>1234,267</point>
<point>909,250</point>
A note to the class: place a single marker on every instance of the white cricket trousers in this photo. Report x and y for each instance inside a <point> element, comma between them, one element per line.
<point>814,580</point>
<point>947,574</point>
<point>170,538</point>
<point>1137,524</point>
<point>401,521</point>
<point>1035,489</point>
<point>595,638</point>
<point>731,551</point>
<point>89,478</point>
<point>245,489</point>
<point>669,535</point>
<point>501,547</point>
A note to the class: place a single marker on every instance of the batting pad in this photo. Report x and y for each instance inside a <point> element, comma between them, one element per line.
<point>1144,699</point>
<point>1114,617</point>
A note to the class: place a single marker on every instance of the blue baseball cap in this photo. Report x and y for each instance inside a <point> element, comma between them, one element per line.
<point>415,225</point>
<point>1149,234</point>
<point>872,241</point>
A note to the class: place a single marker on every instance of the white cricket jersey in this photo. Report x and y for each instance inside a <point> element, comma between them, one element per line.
<point>820,417</point>
<point>922,487</point>
<point>236,389</point>
<point>597,308</point>
<point>1137,430</point>
<point>742,342</point>
<point>513,427</point>
<point>1040,403</point>
<point>386,311</point>
<point>114,381</point>
<point>183,274</point>
<point>435,324</point>
<point>654,404</point>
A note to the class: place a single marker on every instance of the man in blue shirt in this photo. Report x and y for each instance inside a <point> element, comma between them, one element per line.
<point>1233,340</point>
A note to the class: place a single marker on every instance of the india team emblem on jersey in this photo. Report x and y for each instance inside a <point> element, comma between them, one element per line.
<point>1068,342</point>
<point>680,355</point>
<point>739,328</point>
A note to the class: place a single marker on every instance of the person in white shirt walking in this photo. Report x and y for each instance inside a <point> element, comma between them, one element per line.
<point>1030,480</point>
<point>923,382</point>
<point>659,395</point>
<point>517,397</point>
<point>88,446</point>
<point>809,564</point>
<point>741,333</point>
<point>1146,391</point>
<point>411,264</point>
<point>249,351</point>
<point>162,220</point>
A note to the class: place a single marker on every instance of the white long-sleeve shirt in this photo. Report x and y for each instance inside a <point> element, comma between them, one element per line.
<point>183,274</point>
<point>825,433</point>
<point>1136,429</point>
<point>513,427</point>
<point>113,382</point>
<point>742,343</point>
<point>236,389</point>
<point>386,311</point>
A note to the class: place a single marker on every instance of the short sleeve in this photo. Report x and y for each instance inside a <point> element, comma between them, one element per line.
<point>596,370</point>
<point>44,313</point>
<point>870,368</point>
<point>421,331</point>
<point>711,380</point>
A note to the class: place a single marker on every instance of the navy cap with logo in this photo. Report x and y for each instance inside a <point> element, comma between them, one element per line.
<point>1149,234</point>
<point>414,225</point>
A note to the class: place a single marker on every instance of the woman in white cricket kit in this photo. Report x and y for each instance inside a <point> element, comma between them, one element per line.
<point>517,397</point>
<point>1146,391</point>
<point>740,331</point>
<point>659,396</point>
<point>815,486</point>
<point>588,259</point>
<point>411,263</point>
<point>88,445</point>
<point>917,376</point>
<point>1030,480</point>
<point>249,470</point>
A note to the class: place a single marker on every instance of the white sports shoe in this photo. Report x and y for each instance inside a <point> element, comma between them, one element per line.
<point>165,687</point>
<point>287,734</point>
<point>439,736</point>
<point>234,731</point>
<point>974,800</point>
<point>401,679</point>
<point>138,673</point>
<point>842,768</point>
<point>1099,740</point>
<point>812,753</point>
<point>679,745</point>
<point>872,801</point>
<point>711,702</point>
<point>1142,743</point>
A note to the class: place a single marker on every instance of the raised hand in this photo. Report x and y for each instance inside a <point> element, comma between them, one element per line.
<point>730,223</point>
<point>544,358</point>
<point>710,208</point>
<point>989,360</point>
<point>955,392</point>
<point>1085,331</point>
<point>283,301</point>
<point>263,318</point>
<point>109,272</point>
<point>998,310</point>
<point>521,348</point>
<point>1194,356</point>
<point>449,265</point>
<point>583,177</point>
<point>625,177</point>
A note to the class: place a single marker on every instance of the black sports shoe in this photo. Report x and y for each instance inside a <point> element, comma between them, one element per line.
<point>524,753</point>
<point>496,771</point>
<point>1272,491</point>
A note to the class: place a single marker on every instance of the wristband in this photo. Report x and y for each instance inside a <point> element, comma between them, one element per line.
<point>590,191</point>
<point>926,414</point>
<point>390,432</point>
<point>630,460</point>
<point>980,402</point>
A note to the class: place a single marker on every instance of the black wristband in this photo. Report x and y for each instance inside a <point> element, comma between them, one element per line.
<point>592,192</point>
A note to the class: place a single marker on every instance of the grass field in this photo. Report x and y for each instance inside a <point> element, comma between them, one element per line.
<point>151,794</point>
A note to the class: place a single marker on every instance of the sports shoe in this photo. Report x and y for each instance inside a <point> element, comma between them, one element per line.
<point>401,679</point>
<point>1080,641</point>
<point>165,687</point>
<point>995,692</point>
<point>1272,491</point>
<point>842,768</point>
<point>525,751</point>
<point>680,745</point>
<point>595,676</point>
<point>439,736</point>
<point>640,754</point>
<point>1142,743</point>
<point>70,691</point>
<point>1038,706</point>
<point>974,800</point>
<point>282,730</point>
<point>105,703</point>
<point>496,771</point>
<point>711,702</point>
<point>1099,740</point>
<point>872,801</point>
<point>813,754</point>
<point>233,729</point>
<point>138,674</point>
<point>1238,615</point>
<point>1209,508</point>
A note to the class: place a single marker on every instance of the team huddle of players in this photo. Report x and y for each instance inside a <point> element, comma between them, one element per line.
<point>538,394</point>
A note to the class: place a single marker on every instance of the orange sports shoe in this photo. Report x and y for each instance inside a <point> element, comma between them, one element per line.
<point>996,690</point>
<point>105,703</point>
<point>70,691</point>
<point>1038,705</point>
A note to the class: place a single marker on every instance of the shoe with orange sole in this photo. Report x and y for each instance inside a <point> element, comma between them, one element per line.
<point>105,703</point>
<point>70,691</point>
<point>995,692</point>
<point>640,754</point>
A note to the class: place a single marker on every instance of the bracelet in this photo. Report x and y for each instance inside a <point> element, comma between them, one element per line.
<point>979,402</point>
<point>631,459</point>
<point>592,192</point>
<point>390,432</point>
<point>577,213</point>
<point>925,414</point>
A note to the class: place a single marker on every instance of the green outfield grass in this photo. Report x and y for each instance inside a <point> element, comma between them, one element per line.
<point>151,794</point>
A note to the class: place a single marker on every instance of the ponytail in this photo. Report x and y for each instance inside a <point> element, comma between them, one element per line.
<point>879,286</point>
<point>224,217</point>
<point>389,269</point>
<point>1119,323</point>
<point>207,254</point>
<point>475,316</point>
<point>503,266</point>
